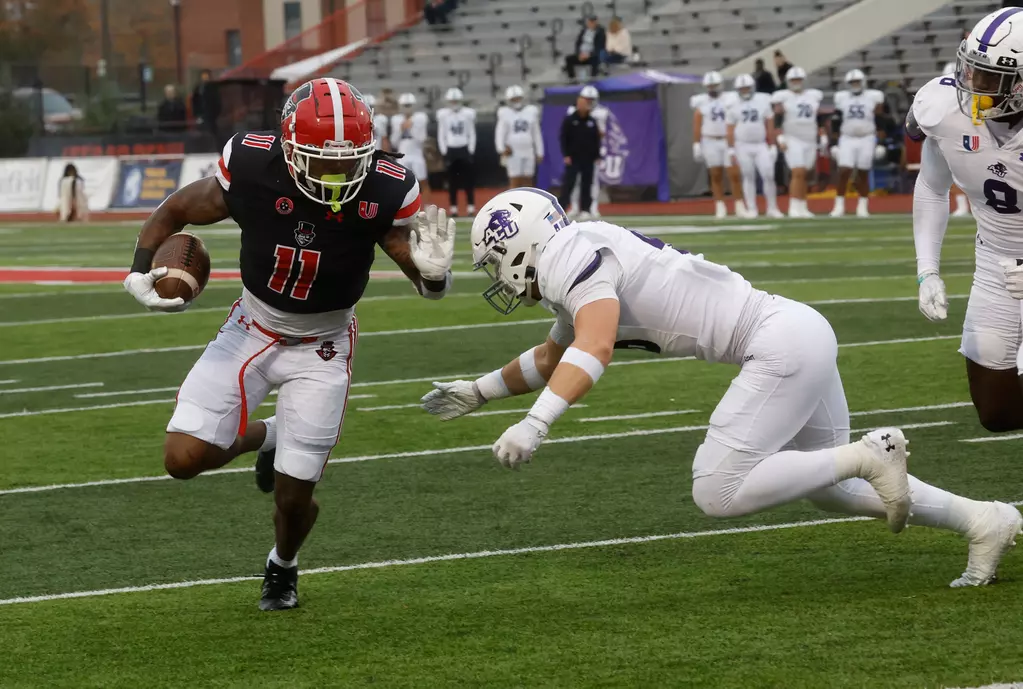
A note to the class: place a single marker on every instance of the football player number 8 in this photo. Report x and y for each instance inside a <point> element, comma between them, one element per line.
<point>309,265</point>
<point>1001,197</point>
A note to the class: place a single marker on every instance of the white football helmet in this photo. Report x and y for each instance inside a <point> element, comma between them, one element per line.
<point>515,96</point>
<point>508,236</point>
<point>407,101</point>
<point>454,96</point>
<point>745,85</point>
<point>795,78</point>
<point>855,79</point>
<point>590,93</point>
<point>989,76</point>
<point>712,81</point>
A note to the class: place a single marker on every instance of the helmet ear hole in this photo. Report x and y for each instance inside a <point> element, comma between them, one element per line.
<point>518,260</point>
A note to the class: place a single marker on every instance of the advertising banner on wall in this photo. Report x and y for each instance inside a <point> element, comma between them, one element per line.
<point>99,175</point>
<point>198,166</point>
<point>146,183</point>
<point>21,184</point>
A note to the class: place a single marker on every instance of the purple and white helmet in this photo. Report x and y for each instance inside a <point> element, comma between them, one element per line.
<point>989,74</point>
<point>508,236</point>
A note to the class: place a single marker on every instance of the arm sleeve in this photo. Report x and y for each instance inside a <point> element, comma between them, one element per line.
<point>930,207</point>
<point>537,135</point>
<point>472,134</point>
<point>563,331</point>
<point>597,280</point>
<point>499,133</point>
<point>223,173</point>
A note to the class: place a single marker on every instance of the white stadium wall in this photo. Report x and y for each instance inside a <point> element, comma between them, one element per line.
<point>825,42</point>
<point>22,182</point>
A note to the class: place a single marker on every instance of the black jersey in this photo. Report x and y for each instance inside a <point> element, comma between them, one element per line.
<point>297,255</point>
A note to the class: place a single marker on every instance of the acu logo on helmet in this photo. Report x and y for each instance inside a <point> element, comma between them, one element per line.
<point>500,228</point>
<point>301,93</point>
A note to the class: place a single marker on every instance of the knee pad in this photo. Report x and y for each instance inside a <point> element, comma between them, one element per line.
<point>708,494</point>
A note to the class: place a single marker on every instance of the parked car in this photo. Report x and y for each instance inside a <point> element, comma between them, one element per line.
<point>58,112</point>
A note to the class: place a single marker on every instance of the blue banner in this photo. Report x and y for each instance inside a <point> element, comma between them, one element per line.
<point>145,184</point>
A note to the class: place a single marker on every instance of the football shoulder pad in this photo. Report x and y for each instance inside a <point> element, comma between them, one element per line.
<point>936,107</point>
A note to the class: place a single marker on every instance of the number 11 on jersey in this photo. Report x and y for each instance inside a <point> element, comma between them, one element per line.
<point>309,261</point>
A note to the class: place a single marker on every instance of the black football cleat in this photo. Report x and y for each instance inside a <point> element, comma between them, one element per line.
<point>280,588</point>
<point>265,474</point>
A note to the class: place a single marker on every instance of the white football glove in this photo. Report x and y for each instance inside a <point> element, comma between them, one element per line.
<point>780,141</point>
<point>880,152</point>
<point>1013,277</point>
<point>933,300</point>
<point>697,152</point>
<point>451,400</point>
<point>432,243</point>
<point>834,152</point>
<point>730,157</point>
<point>773,152</point>
<point>517,444</point>
<point>823,143</point>
<point>142,287</point>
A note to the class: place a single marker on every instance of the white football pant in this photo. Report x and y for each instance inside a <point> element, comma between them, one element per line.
<point>754,158</point>
<point>856,151</point>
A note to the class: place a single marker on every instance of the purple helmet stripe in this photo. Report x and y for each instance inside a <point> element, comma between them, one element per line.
<point>985,40</point>
<point>547,195</point>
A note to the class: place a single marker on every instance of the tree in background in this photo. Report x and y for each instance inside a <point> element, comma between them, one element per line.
<point>31,30</point>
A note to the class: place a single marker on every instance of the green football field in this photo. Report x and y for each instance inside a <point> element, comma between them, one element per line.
<point>431,566</point>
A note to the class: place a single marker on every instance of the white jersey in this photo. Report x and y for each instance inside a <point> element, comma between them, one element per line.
<point>381,127</point>
<point>456,128</point>
<point>858,111</point>
<point>519,130</point>
<point>800,112</point>
<point>713,109</point>
<point>750,118</point>
<point>409,141</point>
<point>989,172</point>
<point>672,302</point>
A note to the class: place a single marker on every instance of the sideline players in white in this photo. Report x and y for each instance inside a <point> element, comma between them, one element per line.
<point>710,144</point>
<point>456,141</point>
<point>750,121</point>
<point>781,432</point>
<point>517,137</point>
<point>801,137</point>
<point>381,123</point>
<point>408,136</point>
<point>599,113</point>
<point>857,140</point>
<point>973,124</point>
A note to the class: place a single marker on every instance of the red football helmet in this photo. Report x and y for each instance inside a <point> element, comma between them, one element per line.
<point>327,137</point>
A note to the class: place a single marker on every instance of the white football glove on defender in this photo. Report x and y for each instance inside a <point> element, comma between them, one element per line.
<point>451,400</point>
<point>1013,277</point>
<point>773,152</point>
<point>697,152</point>
<point>432,243</point>
<point>823,143</point>
<point>933,300</point>
<point>142,287</point>
<point>517,444</point>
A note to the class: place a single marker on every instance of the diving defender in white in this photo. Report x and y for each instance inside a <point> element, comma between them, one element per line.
<point>750,121</point>
<point>973,123</point>
<point>781,432</point>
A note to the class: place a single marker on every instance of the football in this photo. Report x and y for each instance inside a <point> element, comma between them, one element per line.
<point>188,267</point>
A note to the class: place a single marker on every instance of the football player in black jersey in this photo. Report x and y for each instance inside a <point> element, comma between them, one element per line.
<point>313,201</point>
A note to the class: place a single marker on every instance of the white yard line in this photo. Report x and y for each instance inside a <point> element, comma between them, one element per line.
<point>49,388</point>
<point>901,410</point>
<point>632,540</point>
<point>67,410</point>
<point>905,426</point>
<point>125,393</point>
<point>9,381</point>
<point>993,438</point>
<point>626,417</point>
<point>389,407</point>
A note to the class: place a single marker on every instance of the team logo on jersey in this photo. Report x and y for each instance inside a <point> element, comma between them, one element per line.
<point>336,217</point>
<point>326,350</point>
<point>500,228</point>
<point>285,205</point>
<point>304,233</point>
<point>367,211</point>
<point>998,169</point>
<point>971,142</point>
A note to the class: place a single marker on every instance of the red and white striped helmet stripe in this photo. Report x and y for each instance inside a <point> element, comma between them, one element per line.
<point>339,118</point>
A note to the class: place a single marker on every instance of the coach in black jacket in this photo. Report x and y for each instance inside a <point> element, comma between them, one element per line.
<point>580,144</point>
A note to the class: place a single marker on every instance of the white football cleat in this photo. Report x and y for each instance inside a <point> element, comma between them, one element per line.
<point>884,467</point>
<point>453,212</point>
<point>839,210</point>
<point>862,212</point>
<point>595,215</point>
<point>775,213</point>
<point>807,213</point>
<point>740,209</point>
<point>720,210</point>
<point>961,212</point>
<point>991,535</point>
<point>584,216</point>
<point>471,210</point>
